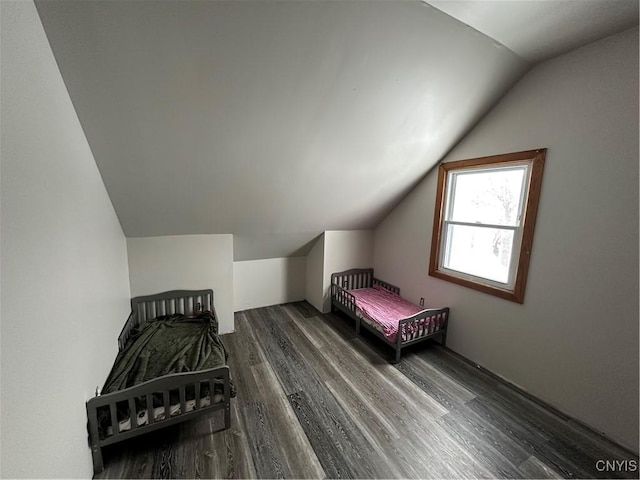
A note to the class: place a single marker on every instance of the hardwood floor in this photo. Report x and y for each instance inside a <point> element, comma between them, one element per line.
<point>314,400</point>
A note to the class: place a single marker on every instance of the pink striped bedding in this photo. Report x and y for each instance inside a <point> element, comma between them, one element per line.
<point>384,309</point>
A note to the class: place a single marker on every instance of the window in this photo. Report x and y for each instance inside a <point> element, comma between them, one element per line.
<point>484,221</point>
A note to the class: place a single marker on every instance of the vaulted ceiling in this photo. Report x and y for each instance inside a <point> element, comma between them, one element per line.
<point>273,121</point>
<point>540,29</point>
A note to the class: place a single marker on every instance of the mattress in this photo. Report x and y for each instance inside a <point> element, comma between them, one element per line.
<point>383,310</point>
<point>159,414</point>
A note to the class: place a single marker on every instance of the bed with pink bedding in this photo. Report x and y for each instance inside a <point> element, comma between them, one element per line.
<point>378,307</point>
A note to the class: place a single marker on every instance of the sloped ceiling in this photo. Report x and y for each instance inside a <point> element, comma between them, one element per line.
<point>273,121</point>
<point>537,30</point>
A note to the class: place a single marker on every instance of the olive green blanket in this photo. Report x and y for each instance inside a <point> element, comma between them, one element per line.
<point>167,344</point>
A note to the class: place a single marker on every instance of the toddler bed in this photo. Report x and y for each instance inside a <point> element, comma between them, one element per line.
<point>378,306</point>
<point>171,367</point>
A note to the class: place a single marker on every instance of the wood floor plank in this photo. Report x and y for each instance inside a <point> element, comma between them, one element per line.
<point>316,400</point>
<point>243,380</point>
<point>563,438</point>
<point>222,454</point>
<point>305,309</point>
<point>331,456</point>
<point>344,325</point>
<point>342,449</point>
<point>363,410</point>
<point>467,419</point>
<point>526,437</point>
<point>193,439</point>
<point>155,461</point>
<point>360,406</point>
<point>534,468</point>
<point>262,442</point>
<point>377,430</point>
<point>476,443</point>
<point>437,455</point>
<point>459,371</point>
<point>251,352</point>
<point>522,417</point>
<point>293,371</point>
<point>391,392</point>
<point>581,456</point>
<point>598,446</point>
<point>293,445</point>
<point>437,384</point>
<point>372,379</point>
<point>365,389</point>
<point>281,352</point>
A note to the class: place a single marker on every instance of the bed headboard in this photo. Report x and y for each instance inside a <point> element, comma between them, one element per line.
<point>354,278</point>
<point>360,278</point>
<point>148,307</point>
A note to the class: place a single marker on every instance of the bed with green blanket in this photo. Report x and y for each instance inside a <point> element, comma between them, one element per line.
<point>171,367</point>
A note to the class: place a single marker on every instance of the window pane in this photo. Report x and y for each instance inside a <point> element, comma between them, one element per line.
<point>489,196</point>
<point>480,251</point>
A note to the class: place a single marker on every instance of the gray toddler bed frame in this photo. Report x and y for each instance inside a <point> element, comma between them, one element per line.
<point>142,309</point>
<point>436,319</point>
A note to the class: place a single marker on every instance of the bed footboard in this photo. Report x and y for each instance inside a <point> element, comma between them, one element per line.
<point>421,326</point>
<point>143,417</point>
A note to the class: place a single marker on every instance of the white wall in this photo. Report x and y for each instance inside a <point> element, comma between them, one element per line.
<point>259,283</point>
<point>344,249</point>
<point>574,341</point>
<point>335,250</point>
<point>192,262</point>
<point>65,287</point>
<point>315,274</point>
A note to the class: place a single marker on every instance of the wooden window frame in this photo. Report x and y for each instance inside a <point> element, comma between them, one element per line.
<point>536,160</point>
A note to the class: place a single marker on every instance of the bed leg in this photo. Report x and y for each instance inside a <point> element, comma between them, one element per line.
<point>443,338</point>
<point>357,326</point>
<point>227,416</point>
<point>397,359</point>
<point>98,465</point>
<point>94,437</point>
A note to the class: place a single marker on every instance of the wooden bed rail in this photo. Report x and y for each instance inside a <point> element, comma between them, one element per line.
<point>125,334</point>
<point>340,295</point>
<point>145,392</point>
<point>388,286</point>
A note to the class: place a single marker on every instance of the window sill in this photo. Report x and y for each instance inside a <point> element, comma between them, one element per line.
<point>511,295</point>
